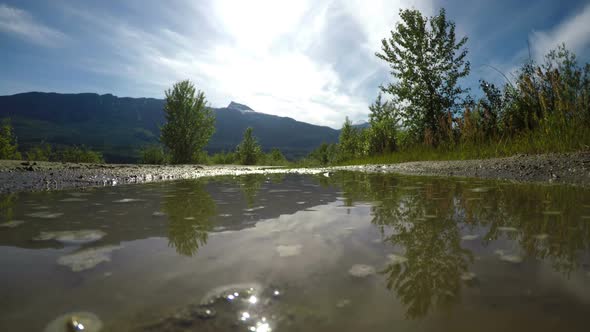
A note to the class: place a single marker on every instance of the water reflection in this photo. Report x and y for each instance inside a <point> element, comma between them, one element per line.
<point>250,186</point>
<point>189,208</point>
<point>426,219</point>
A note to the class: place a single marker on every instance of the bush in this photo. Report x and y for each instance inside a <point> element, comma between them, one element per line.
<point>224,158</point>
<point>40,152</point>
<point>80,155</point>
<point>153,154</point>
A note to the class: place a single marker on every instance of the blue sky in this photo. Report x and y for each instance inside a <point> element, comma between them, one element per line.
<point>312,60</point>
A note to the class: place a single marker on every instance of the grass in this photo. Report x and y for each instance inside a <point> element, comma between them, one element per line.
<point>533,142</point>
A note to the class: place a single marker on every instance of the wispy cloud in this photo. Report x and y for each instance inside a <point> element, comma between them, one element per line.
<point>574,32</point>
<point>21,24</point>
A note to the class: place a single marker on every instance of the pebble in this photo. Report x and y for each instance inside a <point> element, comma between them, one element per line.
<point>75,321</point>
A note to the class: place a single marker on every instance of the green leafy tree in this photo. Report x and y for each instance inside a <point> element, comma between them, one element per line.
<point>189,123</point>
<point>248,151</point>
<point>80,155</point>
<point>383,132</point>
<point>348,141</point>
<point>8,144</point>
<point>426,62</point>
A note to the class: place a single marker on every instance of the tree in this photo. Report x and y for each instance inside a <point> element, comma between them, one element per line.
<point>426,62</point>
<point>348,140</point>
<point>8,144</point>
<point>248,150</point>
<point>189,123</point>
<point>383,131</point>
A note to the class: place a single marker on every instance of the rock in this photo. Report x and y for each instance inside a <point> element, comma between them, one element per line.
<point>361,271</point>
<point>289,250</point>
<point>88,258</point>
<point>75,321</point>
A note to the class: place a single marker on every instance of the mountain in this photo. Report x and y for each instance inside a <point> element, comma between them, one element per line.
<point>119,127</point>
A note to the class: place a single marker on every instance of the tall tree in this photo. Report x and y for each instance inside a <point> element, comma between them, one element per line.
<point>248,150</point>
<point>189,122</point>
<point>426,62</point>
<point>348,141</point>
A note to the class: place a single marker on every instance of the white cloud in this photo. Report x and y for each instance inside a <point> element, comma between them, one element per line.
<point>20,23</point>
<point>574,32</point>
<point>288,58</point>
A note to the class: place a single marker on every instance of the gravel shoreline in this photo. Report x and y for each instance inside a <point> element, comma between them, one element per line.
<point>16,176</point>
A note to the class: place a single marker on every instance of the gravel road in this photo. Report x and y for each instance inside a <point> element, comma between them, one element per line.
<point>15,176</point>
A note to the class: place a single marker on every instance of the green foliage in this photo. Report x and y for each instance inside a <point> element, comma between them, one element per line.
<point>40,152</point>
<point>349,141</point>
<point>224,158</point>
<point>8,144</point>
<point>153,154</point>
<point>382,135</point>
<point>248,151</point>
<point>275,158</point>
<point>189,123</point>
<point>80,155</point>
<point>324,155</point>
<point>426,62</point>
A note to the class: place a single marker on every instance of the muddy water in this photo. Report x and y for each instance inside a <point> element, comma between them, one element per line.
<point>343,252</point>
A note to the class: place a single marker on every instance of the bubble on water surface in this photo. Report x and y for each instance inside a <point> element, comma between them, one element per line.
<point>75,321</point>
<point>73,237</point>
<point>289,250</point>
<point>128,200</point>
<point>45,215</point>
<point>361,270</point>
<point>468,276</point>
<point>469,237</point>
<point>541,237</point>
<point>12,223</point>
<point>88,258</point>
<point>396,259</point>
<point>507,229</point>
<point>73,199</point>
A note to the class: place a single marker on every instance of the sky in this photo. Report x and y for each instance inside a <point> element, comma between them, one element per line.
<point>311,60</point>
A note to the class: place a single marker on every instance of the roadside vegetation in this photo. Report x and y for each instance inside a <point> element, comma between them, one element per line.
<point>427,115</point>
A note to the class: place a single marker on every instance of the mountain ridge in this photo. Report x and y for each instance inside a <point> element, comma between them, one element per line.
<point>120,126</point>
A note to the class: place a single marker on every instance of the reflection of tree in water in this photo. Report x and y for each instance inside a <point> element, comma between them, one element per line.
<point>189,211</point>
<point>250,185</point>
<point>7,207</point>
<point>422,221</point>
<point>426,218</point>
